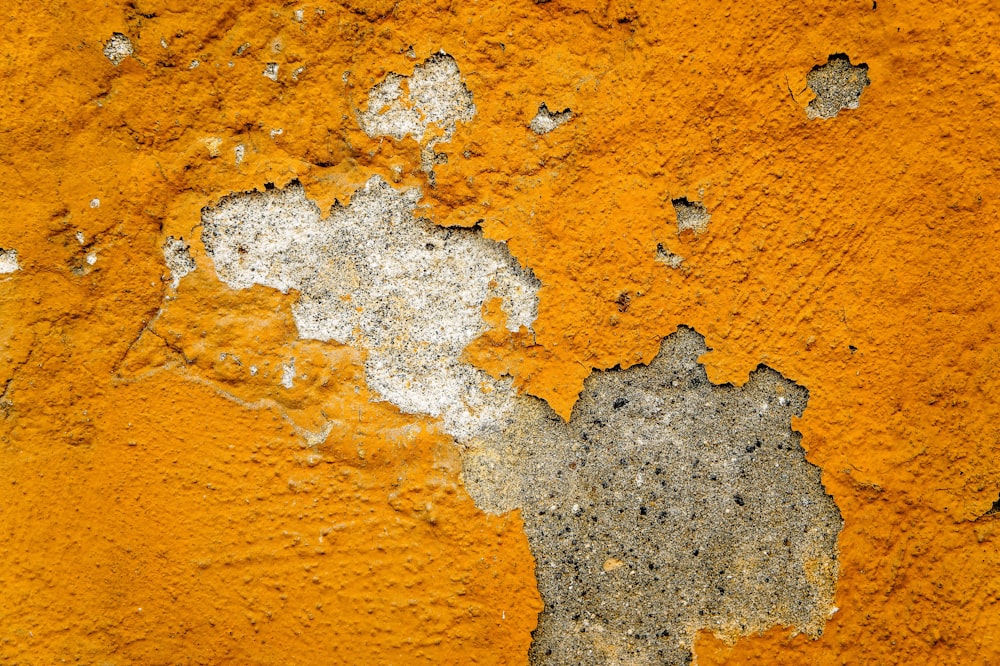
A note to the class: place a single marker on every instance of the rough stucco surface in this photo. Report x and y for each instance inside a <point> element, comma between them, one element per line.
<point>186,478</point>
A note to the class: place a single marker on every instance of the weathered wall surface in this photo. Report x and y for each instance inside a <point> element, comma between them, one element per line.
<point>348,333</point>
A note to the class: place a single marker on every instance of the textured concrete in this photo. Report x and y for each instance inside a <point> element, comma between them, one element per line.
<point>665,506</point>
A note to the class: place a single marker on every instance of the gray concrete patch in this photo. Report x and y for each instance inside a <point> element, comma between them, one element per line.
<point>666,505</point>
<point>838,85</point>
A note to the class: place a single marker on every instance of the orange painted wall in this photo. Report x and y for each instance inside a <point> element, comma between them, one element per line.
<point>857,256</point>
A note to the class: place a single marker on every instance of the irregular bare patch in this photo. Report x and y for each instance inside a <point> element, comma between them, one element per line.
<point>407,291</point>
<point>118,48</point>
<point>665,256</point>
<point>8,261</point>
<point>545,121</point>
<point>665,506</point>
<point>691,215</point>
<point>177,255</point>
<point>838,85</point>
<point>433,96</point>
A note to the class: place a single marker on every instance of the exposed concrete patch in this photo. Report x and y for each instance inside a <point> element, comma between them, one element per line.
<point>434,95</point>
<point>409,292</point>
<point>665,256</point>
<point>545,121</point>
<point>177,255</point>
<point>838,85</point>
<point>665,506</point>
<point>690,215</point>
<point>8,261</point>
<point>288,374</point>
<point>118,48</point>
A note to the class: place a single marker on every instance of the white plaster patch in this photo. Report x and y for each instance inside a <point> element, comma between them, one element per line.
<point>8,261</point>
<point>177,255</point>
<point>545,121</point>
<point>288,374</point>
<point>434,95</point>
<point>271,71</point>
<point>118,48</point>
<point>691,215</point>
<point>213,144</point>
<point>407,291</point>
<point>665,256</point>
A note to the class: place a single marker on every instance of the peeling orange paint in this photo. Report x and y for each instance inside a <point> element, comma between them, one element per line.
<point>855,255</point>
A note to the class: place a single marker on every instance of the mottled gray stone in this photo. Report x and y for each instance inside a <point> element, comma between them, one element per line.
<point>666,505</point>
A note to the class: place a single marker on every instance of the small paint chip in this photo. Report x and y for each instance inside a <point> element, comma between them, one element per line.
<point>665,256</point>
<point>213,144</point>
<point>95,203</point>
<point>8,261</point>
<point>838,85</point>
<point>271,71</point>
<point>118,48</point>
<point>288,374</point>
<point>690,215</point>
<point>177,255</point>
<point>545,121</point>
